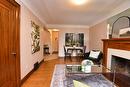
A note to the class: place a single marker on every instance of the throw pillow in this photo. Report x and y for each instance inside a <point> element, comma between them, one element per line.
<point>79,84</point>
<point>94,54</point>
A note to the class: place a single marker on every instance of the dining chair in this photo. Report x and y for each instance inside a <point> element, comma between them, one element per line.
<point>67,53</point>
<point>80,52</point>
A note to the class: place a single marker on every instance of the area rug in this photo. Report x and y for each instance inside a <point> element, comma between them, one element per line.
<point>93,80</point>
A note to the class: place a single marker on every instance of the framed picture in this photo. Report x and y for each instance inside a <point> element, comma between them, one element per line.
<point>120,28</point>
<point>73,39</point>
<point>35,37</point>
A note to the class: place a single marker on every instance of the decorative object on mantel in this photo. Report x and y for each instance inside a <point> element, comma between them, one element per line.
<point>118,25</point>
<point>124,32</point>
<point>120,30</point>
<point>35,37</point>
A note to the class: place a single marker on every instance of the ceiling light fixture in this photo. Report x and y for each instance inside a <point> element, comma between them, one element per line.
<point>78,2</point>
<point>55,30</point>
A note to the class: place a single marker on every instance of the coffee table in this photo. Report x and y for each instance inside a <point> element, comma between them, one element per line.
<point>94,75</point>
<point>60,77</point>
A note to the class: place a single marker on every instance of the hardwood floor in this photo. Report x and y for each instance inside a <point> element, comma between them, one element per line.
<point>50,57</point>
<point>42,77</point>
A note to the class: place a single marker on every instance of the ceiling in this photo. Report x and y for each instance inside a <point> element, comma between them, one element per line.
<point>62,12</point>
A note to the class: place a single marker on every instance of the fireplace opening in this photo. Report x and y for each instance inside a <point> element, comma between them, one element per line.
<point>120,65</point>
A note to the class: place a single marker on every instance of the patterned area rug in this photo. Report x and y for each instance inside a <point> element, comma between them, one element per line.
<point>93,80</point>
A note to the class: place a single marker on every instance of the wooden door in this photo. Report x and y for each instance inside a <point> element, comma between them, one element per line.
<point>9,44</point>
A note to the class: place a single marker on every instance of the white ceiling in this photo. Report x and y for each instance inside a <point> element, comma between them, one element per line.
<point>62,12</point>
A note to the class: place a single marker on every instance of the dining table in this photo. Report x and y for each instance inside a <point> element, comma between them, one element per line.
<point>74,50</point>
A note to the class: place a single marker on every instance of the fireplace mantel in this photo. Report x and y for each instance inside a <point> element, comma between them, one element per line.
<point>115,43</point>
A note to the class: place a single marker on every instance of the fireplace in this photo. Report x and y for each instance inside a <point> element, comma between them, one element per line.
<point>116,46</point>
<point>120,65</point>
<point>116,54</point>
<point>124,54</point>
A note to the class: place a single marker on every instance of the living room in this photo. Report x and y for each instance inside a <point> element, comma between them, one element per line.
<point>92,18</point>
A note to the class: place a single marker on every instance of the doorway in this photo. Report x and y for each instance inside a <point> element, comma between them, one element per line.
<point>54,44</point>
<point>55,41</point>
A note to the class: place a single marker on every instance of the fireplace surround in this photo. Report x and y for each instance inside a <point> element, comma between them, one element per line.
<point>118,46</point>
<point>116,53</point>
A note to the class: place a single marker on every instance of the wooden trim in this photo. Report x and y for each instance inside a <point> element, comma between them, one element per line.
<point>29,74</point>
<point>116,43</point>
<point>14,3</point>
<point>117,39</point>
<point>18,42</point>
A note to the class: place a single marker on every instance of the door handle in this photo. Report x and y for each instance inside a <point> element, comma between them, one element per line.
<point>13,54</point>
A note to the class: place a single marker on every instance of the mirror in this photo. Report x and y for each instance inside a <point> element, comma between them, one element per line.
<point>121,27</point>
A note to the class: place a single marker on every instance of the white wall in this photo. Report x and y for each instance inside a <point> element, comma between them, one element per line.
<point>72,30</point>
<point>96,34</point>
<point>28,59</point>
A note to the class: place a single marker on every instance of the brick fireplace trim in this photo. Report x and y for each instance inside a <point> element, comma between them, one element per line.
<point>115,43</point>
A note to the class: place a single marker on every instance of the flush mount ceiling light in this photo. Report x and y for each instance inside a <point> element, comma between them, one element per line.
<point>55,30</point>
<point>78,2</point>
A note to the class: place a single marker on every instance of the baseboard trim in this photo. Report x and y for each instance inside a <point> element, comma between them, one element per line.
<point>27,76</point>
<point>41,62</point>
<point>30,73</point>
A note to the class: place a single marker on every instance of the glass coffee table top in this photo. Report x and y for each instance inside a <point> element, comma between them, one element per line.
<point>88,74</point>
<point>96,73</point>
<point>78,69</point>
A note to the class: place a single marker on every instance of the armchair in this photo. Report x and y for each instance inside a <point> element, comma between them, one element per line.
<point>94,55</point>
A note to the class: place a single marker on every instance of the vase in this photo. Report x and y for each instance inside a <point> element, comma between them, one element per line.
<point>86,69</point>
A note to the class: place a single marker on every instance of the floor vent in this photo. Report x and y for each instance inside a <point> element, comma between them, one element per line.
<point>36,66</point>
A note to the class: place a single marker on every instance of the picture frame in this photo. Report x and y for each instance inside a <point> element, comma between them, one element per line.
<point>35,37</point>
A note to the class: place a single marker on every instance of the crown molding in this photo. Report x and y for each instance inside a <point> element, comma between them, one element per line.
<point>116,11</point>
<point>61,26</point>
<point>24,2</point>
